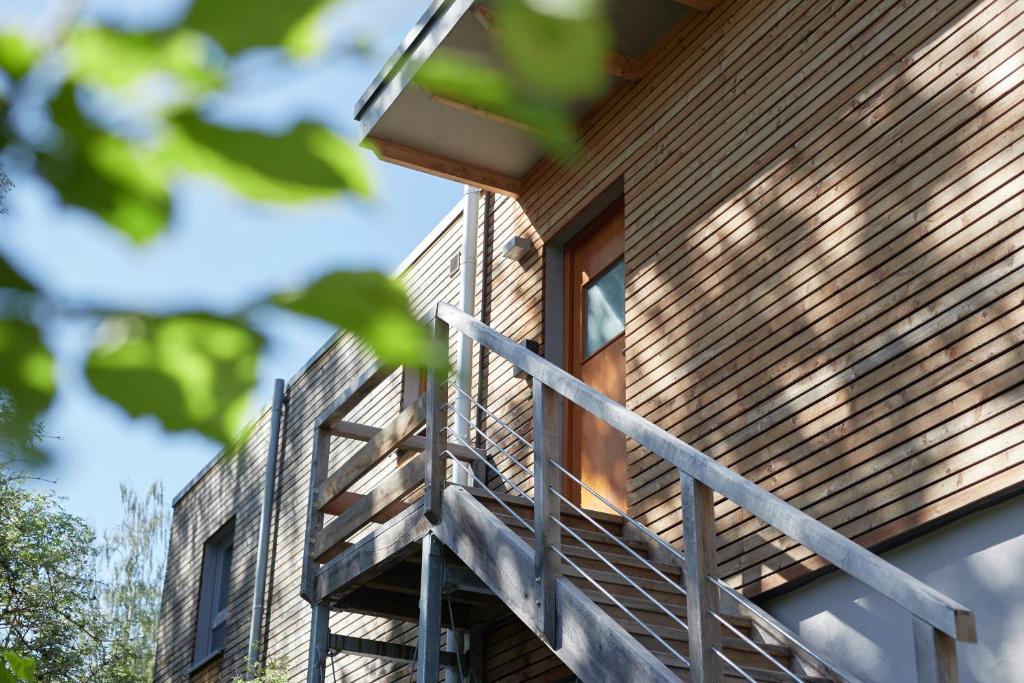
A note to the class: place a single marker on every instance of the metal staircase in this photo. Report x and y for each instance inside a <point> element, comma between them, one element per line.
<point>611,599</point>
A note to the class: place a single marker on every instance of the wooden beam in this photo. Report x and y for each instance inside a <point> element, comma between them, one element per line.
<point>386,440</point>
<point>361,432</point>
<point>373,555</point>
<point>378,649</point>
<point>395,486</point>
<point>547,541</point>
<point>935,654</point>
<point>428,640</point>
<point>433,459</point>
<point>354,392</point>
<point>378,602</point>
<point>342,503</point>
<point>437,165</point>
<point>699,545</point>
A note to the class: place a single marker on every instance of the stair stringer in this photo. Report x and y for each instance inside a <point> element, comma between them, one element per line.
<point>592,644</point>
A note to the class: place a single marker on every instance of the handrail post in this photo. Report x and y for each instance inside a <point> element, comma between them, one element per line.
<point>935,653</point>
<point>547,454</point>
<point>700,551</point>
<point>437,442</point>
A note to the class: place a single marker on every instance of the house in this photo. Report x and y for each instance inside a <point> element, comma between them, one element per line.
<point>772,314</point>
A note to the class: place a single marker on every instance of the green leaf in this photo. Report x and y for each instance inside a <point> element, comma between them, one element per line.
<point>27,378</point>
<point>122,182</point>
<point>558,49</point>
<point>305,163</point>
<point>104,56</point>
<point>22,667</point>
<point>375,309</point>
<point>240,24</point>
<point>477,84</point>
<point>191,371</point>
<point>17,55</point>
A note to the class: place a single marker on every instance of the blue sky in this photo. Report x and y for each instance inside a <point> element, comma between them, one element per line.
<point>219,251</point>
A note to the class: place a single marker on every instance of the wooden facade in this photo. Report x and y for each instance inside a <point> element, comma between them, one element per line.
<point>823,211</point>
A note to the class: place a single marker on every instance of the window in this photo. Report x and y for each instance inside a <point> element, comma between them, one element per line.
<point>213,593</point>
<point>604,308</point>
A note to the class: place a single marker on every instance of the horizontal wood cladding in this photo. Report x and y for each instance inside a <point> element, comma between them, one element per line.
<point>824,208</point>
<point>824,292</point>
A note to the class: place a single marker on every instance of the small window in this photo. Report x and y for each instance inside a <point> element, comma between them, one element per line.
<point>214,588</point>
<point>604,308</point>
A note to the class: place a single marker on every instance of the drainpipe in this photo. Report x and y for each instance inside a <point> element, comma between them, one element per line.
<point>464,360</point>
<point>264,542</point>
<point>464,353</point>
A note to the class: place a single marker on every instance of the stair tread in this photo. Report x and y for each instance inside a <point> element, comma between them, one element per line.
<point>589,535</point>
<point>759,674</point>
<point>516,500</point>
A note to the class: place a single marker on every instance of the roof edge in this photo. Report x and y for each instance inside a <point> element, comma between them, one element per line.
<point>435,233</point>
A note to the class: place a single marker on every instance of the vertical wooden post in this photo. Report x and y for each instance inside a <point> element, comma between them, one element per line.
<point>314,518</point>
<point>699,551</point>
<point>547,453</point>
<point>428,642</point>
<point>437,442</point>
<point>935,653</point>
<point>316,672</point>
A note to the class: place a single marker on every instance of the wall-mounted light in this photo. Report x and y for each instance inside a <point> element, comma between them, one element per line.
<point>517,248</point>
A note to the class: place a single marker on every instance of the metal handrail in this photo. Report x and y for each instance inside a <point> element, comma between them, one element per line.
<point>618,540</point>
<point>508,455</point>
<point>733,664</point>
<point>920,599</point>
<point>475,478</point>
<point>494,469</point>
<point>622,607</point>
<point>618,571</point>
<point>764,653</point>
<point>491,415</point>
<point>637,524</point>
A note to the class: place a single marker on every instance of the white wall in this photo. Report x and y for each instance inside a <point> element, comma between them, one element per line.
<point>978,561</point>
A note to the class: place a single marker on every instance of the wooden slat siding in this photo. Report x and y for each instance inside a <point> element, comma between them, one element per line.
<point>943,102</point>
<point>289,615</point>
<point>823,210</point>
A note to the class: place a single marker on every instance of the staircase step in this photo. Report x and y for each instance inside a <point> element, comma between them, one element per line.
<point>524,508</point>
<point>729,674</point>
<point>600,541</point>
<point>736,649</point>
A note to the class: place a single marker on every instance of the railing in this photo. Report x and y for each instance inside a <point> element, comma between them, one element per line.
<point>939,621</point>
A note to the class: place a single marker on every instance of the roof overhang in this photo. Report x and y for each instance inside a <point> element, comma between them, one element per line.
<point>408,126</point>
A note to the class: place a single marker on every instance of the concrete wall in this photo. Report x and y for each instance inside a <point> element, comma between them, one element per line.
<point>978,561</point>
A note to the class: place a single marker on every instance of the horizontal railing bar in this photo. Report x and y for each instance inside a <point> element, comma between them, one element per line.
<point>362,432</point>
<point>354,392</point>
<point>756,647</point>
<point>643,528</point>
<point>483,485</point>
<point>618,540</point>
<point>370,454</point>
<point>919,598</point>
<point>622,607</point>
<point>620,573</point>
<point>494,417</point>
<point>498,472</point>
<point>733,664</point>
<point>489,440</point>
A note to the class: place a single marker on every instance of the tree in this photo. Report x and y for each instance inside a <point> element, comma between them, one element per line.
<point>194,369</point>
<point>134,554</point>
<point>49,610</point>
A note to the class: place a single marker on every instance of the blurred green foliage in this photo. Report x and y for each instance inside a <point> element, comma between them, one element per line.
<point>195,370</point>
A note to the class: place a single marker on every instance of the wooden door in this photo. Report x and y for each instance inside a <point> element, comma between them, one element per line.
<point>595,298</point>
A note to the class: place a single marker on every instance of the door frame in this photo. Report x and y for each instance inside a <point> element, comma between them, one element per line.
<point>554,295</point>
